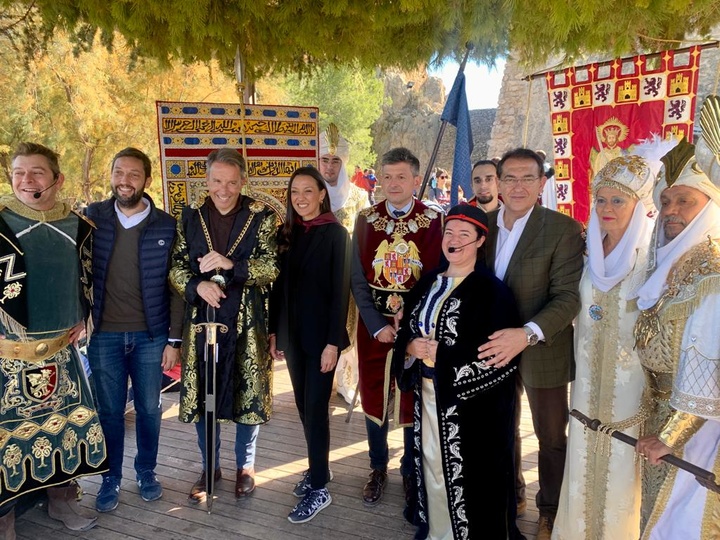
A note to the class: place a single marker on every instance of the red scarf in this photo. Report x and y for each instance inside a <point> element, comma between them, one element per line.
<point>322,219</point>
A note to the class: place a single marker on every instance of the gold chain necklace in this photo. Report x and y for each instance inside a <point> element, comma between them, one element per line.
<point>217,278</point>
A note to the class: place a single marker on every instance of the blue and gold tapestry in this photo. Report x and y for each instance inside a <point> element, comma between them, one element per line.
<point>277,140</point>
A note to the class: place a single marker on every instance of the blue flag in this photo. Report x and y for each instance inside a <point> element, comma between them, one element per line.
<point>456,113</point>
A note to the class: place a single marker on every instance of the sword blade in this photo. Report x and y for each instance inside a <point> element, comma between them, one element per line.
<point>210,421</point>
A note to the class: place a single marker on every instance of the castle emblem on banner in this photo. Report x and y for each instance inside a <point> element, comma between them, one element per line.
<point>598,111</point>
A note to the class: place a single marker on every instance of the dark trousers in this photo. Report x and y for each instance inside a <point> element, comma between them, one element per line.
<point>549,409</point>
<point>378,446</point>
<point>312,397</point>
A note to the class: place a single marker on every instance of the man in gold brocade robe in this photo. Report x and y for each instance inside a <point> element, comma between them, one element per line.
<point>677,339</point>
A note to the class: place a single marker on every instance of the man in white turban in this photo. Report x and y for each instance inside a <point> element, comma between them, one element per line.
<point>679,346</point>
<point>346,200</point>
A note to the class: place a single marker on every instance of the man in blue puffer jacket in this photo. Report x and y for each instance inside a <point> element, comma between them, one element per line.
<point>137,319</point>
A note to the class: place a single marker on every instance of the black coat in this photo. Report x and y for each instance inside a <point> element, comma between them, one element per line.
<point>309,310</point>
<point>475,406</point>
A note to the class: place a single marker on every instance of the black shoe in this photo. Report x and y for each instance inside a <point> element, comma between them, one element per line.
<point>198,493</point>
<point>373,490</point>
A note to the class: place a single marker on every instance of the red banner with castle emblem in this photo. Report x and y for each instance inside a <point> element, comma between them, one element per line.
<point>599,111</point>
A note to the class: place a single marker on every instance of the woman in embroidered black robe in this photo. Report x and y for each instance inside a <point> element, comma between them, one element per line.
<point>464,408</point>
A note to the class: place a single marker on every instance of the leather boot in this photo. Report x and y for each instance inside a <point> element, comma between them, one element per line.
<point>63,506</point>
<point>7,525</point>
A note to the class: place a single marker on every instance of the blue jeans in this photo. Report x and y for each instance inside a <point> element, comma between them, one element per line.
<point>379,454</point>
<point>245,443</point>
<point>113,357</point>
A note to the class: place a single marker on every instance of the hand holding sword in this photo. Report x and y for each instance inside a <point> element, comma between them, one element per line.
<point>704,478</point>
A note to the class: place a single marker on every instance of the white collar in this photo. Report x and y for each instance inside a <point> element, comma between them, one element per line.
<point>130,221</point>
<point>521,222</point>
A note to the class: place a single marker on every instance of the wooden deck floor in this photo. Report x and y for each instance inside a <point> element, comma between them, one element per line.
<point>280,460</point>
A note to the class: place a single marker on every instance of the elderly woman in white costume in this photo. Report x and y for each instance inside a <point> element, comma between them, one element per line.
<point>600,496</point>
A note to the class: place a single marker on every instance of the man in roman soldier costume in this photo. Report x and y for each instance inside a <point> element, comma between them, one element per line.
<point>346,200</point>
<point>50,430</point>
<point>395,242</point>
<point>677,339</point>
<point>224,259</point>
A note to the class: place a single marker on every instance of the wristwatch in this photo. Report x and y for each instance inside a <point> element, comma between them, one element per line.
<point>532,337</point>
<point>175,344</point>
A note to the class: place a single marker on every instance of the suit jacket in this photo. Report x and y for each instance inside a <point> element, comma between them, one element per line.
<point>544,275</point>
<point>312,313</point>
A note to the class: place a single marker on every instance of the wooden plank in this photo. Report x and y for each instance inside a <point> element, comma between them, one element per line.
<point>281,458</point>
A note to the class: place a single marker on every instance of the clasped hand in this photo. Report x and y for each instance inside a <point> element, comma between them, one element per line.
<point>213,261</point>
<point>209,290</point>
<point>423,348</point>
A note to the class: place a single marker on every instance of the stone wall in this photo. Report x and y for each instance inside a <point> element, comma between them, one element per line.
<point>411,118</point>
<point>411,114</point>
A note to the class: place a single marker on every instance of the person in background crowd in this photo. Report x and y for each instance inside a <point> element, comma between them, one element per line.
<point>346,201</point>
<point>439,191</point>
<point>485,186</point>
<point>371,183</point>
<point>548,197</point>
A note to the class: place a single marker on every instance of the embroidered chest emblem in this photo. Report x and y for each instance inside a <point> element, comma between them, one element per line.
<point>40,383</point>
<point>397,262</point>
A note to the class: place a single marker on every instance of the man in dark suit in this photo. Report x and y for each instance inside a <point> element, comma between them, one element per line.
<point>538,253</point>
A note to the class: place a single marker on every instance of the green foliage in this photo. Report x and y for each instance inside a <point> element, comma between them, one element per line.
<point>303,35</point>
<point>290,35</point>
<point>349,97</point>
<point>89,105</point>
<point>611,27</point>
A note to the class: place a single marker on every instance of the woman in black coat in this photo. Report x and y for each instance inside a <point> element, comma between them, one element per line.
<point>464,408</point>
<point>308,310</point>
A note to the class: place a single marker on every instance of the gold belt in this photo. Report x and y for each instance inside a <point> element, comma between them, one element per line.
<point>659,383</point>
<point>33,351</point>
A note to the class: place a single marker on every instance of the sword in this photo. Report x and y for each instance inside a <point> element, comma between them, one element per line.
<point>211,357</point>
<point>351,407</point>
<point>705,478</point>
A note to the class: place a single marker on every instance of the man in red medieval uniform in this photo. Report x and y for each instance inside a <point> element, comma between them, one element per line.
<point>394,243</point>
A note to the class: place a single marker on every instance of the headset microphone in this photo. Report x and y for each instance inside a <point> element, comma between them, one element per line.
<point>38,194</point>
<point>453,249</point>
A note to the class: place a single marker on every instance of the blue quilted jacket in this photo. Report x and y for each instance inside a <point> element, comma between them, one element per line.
<point>155,247</point>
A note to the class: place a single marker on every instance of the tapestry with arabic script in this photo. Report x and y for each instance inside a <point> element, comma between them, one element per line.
<point>278,140</point>
<point>599,111</point>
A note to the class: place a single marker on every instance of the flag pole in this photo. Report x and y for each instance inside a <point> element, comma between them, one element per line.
<point>468,49</point>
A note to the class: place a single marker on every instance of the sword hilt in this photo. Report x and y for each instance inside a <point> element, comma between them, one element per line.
<point>210,329</point>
